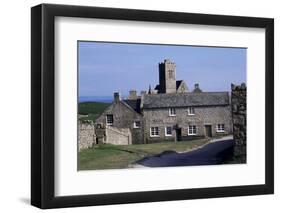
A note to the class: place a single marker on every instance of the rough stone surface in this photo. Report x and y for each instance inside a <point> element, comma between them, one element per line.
<point>167,77</point>
<point>118,136</point>
<point>90,135</point>
<point>87,137</point>
<point>212,116</point>
<point>123,118</point>
<point>239,106</point>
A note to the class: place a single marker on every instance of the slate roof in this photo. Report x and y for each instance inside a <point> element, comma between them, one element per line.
<point>134,104</point>
<point>157,87</point>
<point>178,83</point>
<point>185,99</point>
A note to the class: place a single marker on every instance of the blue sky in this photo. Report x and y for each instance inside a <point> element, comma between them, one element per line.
<point>108,67</point>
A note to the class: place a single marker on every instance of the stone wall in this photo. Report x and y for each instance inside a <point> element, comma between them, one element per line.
<point>239,106</point>
<point>118,136</point>
<point>86,135</point>
<point>90,135</point>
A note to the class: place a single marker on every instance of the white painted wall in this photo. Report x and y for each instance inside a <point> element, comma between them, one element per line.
<point>15,106</point>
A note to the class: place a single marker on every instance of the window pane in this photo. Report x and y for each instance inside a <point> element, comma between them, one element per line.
<point>172,111</point>
<point>109,119</point>
<point>191,111</point>
<point>168,130</point>
<point>220,128</point>
<point>192,130</point>
<point>136,124</point>
<point>154,131</point>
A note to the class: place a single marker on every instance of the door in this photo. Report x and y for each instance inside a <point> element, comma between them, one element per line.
<point>208,130</point>
<point>178,134</point>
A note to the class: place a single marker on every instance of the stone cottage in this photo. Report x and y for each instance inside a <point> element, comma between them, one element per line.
<point>169,111</point>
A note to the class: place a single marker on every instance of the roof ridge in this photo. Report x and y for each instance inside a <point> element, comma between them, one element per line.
<point>128,105</point>
<point>185,93</point>
<point>186,99</point>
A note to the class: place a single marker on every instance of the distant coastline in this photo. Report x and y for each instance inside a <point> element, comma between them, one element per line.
<point>104,99</point>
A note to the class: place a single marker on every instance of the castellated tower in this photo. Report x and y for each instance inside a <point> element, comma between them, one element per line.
<point>167,77</point>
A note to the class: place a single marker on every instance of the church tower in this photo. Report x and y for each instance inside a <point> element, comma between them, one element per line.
<point>167,77</point>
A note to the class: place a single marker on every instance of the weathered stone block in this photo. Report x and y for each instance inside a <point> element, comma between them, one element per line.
<point>238,101</point>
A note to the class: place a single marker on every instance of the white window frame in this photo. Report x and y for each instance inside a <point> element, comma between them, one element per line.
<point>107,123</point>
<point>166,132</point>
<point>152,132</point>
<point>137,126</point>
<point>172,111</point>
<point>189,111</point>
<point>191,127</point>
<point>220,128</point>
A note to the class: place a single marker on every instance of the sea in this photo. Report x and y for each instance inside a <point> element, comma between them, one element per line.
<point>104,99</point>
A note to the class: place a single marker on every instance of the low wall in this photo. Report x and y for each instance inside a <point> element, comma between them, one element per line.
<point>88,135</point>
<point>239,106</point>
<point>118,136</point>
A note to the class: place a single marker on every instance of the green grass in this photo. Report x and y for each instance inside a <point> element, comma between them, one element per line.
<point>92,109</point>
<point>109,156</point>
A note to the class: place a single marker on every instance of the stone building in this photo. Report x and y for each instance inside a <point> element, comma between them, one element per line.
<point>124,114</point>
<point>170,111</point>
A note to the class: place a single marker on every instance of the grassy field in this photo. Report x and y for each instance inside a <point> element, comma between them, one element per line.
<point>91,109</point>
<point>108,156</point>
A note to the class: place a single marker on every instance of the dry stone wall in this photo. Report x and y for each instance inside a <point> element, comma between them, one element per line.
<point>90,134</point>
<point>239,106</point>
<point>86,135</point>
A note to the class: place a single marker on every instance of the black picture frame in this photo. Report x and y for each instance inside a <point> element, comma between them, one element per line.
<point>43,102</point>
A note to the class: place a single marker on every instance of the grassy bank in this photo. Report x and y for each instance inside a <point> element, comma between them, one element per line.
<point>91,110</point>
<point>108,156</point>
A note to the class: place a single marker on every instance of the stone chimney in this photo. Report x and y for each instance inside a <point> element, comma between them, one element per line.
<point>196,88</point>
<point>117,96</point>
<point>132,95</point>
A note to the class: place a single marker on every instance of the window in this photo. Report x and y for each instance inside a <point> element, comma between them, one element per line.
<point>154,131</point>
<point>220,128</point>
<point>137,124</point>
<point>192,130</point>
<point>109,120</point>
<point>190,111</point>
<point>172,112</point>
<point>168,131</point>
